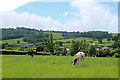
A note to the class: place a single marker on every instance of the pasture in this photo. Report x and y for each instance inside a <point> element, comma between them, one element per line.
<point>23,66</point>
<point>14,41</point>
<point>55,35</point>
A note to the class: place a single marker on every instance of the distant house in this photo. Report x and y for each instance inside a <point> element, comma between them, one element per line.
<point>67,49</point>
<point>100,46</point>
<point>25,45</point>
<point>92,44</point>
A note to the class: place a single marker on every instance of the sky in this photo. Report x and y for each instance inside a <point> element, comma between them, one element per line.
<point>60,15</point>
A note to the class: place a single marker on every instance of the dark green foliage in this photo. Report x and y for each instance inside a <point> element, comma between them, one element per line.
<point>48,43</point>
<point>116,44</point>
<point>117,55</point>
<point>79,46</point>
<point>75,47</point>
<point>115,38</point>
<point>8,48</point>
<point>89,34</point>
<point>100,53</point>
<point>28,35</point>
<point>59,43</point>
<point>100,41</point>
<point>40,48</point>
<point>92,50</point>
<point>104,53</point>
<point>117,50</point>
<point>107,52</point>
<point>58,50</point>
<point>14,53</point>
<point>64,51</point>
<point>18,42</point>
<point>108,39</point>
<point>3,46</point>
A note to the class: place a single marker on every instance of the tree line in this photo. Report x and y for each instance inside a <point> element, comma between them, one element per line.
<point>89,34</point>
<point>82,46</point>
<point>28,35</point>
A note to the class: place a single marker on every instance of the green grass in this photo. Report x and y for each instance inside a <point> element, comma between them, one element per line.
<point>78,38</point>
<point>23,66</point>
<point>55,35</point>
<point>14,41</point>
<point>114,34</point>
<point>104,42</point>
<point>58,36</point>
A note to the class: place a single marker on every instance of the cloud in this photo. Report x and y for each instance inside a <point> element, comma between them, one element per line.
<point>92,16</point>
<point>89,16</point>
<point>13,19</point>
<point>66,14</point>
<point>6,5</point>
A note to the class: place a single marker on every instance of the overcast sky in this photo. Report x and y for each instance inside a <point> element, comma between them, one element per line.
<point>66,15</point>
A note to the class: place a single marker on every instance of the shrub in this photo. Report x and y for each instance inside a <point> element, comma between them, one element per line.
<point>8,48</point>
<point>40,48</point>
<point>117,55</point>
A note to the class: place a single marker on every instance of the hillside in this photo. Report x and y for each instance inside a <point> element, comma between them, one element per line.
<point>28,36</point>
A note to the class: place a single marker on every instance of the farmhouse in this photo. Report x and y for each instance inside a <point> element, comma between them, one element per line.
<point>25,45</point>
<point>100,46</point>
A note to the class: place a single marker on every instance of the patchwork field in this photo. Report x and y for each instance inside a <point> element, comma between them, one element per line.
<point>23,66</point>
<point>14,41</point>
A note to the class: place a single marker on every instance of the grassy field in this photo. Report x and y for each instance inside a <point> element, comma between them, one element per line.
<point>56,35</point>
<point>114,34</point>
<point>22,66</point>
<point>14,41</point>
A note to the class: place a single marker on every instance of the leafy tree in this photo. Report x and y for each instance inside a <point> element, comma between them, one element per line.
<point>92,50</point>
<point>79,46</point>
<point>116,44</point>
<point>28,35</point>
<point>75,47</point>
<point>115,38</point>
<point>48,43</point>
<point>117,55</point>
<point>100,41</point>
<point>3,46</point>
<point>59,42</point>
<point>18,42</point>
<point>107,52</point>
<point>100,53</point>
<point>108,39</point>
<point>40,48</point>
<point>90,34</point>
<point>64,51</point>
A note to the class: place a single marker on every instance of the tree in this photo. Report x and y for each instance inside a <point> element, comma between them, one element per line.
<point>48,43</point>
<point>116,44</point>
<point>3,46</point>
<point>79,46</point>
<point>100,53</point>
<point>100,41</point>
<point>40,48</point>
<point>92,50</point>
<point>59,42</point>
<point>64,51</point>
<point>75,47</point>
<point>115,38</point>
<point>108,39</point>
<point>18,42</point>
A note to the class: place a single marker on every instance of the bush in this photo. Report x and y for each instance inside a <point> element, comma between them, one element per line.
<point>40,48</point>
<point>117,55</point>
<point>8,48</point>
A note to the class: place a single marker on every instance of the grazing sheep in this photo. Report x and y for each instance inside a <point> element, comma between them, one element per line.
<point>79,57</point>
